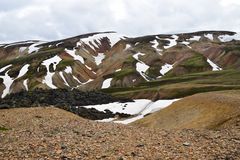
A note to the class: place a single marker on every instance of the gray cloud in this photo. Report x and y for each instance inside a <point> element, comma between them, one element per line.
<point>54,19</point>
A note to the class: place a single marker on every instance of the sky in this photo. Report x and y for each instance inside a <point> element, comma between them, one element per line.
<point>56,19</point>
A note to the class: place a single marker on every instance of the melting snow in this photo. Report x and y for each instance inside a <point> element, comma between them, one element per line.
<point>99,58</point>
<point>25,84</point>
<point>48,78</point>
<point>4,68</point>
<point>63,78</point>
<point>173,41</point>
<point>106,83</point>
<point>132,108</point>
<point>74,55</point>
<point>118,70</point>
<point>106,120</point>
<point>166,68</point>
<point>228,38</point>
<point>22,49</point>
<point>155,45</point>
<point>150,108</point>
<point>32,48</point>
<point>7,80</point>
<point>195,38</point>
<point>137,54</point>
<point>77,80</point>
<point>213,65</point>
<point>128,46</point>
<point>142,68</point>
<point>91,40</point>
<point>209,36</point>
<point>139,108</point>
<point>23,71</point>
<point>68,69</point>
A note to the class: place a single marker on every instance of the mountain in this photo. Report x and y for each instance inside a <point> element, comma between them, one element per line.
<point>155,66</point>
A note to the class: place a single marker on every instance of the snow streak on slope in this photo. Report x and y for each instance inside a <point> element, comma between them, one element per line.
<point>48,78</point>
<point>228,38</point>
<point>132,108</point>
<point>33,48</point>
<point>23,70</point>
<point>25,84</point>
<point>74,55</point>
<point>150,108</point>
<point>7,80</point>
<point>166,68</point>
<point>173,41</point>
<point>139,108</point>
<point>94,41</point>
<point>99,58</point>
<point>141,67</point>
<point>214,66</point>
<point>155,45</point>
<point>195,38</point>
<point>106,83</point>
<point>209,36</point>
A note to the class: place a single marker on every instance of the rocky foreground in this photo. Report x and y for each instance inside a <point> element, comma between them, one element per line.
<point>52,133</point>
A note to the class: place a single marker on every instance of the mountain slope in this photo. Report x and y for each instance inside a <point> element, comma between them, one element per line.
<point>213,110</point>
<point>107,60</point>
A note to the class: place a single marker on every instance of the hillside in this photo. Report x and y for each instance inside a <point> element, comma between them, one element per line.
<point>151,67</point>
<point>212,110</point>
<point>51,133</point>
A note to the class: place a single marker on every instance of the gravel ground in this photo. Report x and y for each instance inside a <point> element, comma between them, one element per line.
<point>51,133</point>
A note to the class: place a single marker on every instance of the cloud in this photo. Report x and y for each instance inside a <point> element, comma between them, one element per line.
<point>55,19</point>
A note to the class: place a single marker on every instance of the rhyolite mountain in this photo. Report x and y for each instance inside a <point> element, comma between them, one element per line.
<point>163,66</point>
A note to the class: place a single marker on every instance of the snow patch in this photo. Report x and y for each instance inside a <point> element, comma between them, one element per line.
<point>173,41</point>
<point>209,36</point>
<point>106,120</point>
<point>149,108</point>
<point>33,48</point>
<point>95,40</point>
<point>155,45</point>
<point>68,69</point>
<point>23,70</point>
<point>128,46</point>
<point>142,68</point>
<point>48,78</point>
<point>106,83</point>
<point>137,54</point>
<point>228,38</point>
<point>74,55</point>
<point>132,108</point>
<point>7,81</point>
<point>214,66</point>
<point>4,68</point>
<point>166,68</point>
<point>139,108</point>
<point>22,49</point>
<point>195,38</point>
<point>25,84</point>
<point>99,58</point>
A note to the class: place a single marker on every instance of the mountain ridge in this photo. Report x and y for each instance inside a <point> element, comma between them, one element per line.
<point>105,60</point>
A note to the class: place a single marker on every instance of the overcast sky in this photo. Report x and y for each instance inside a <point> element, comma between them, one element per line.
<point>55,19</point>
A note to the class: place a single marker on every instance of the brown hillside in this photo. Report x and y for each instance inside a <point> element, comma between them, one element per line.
<point>211,110</point>
<point>51,133</point>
